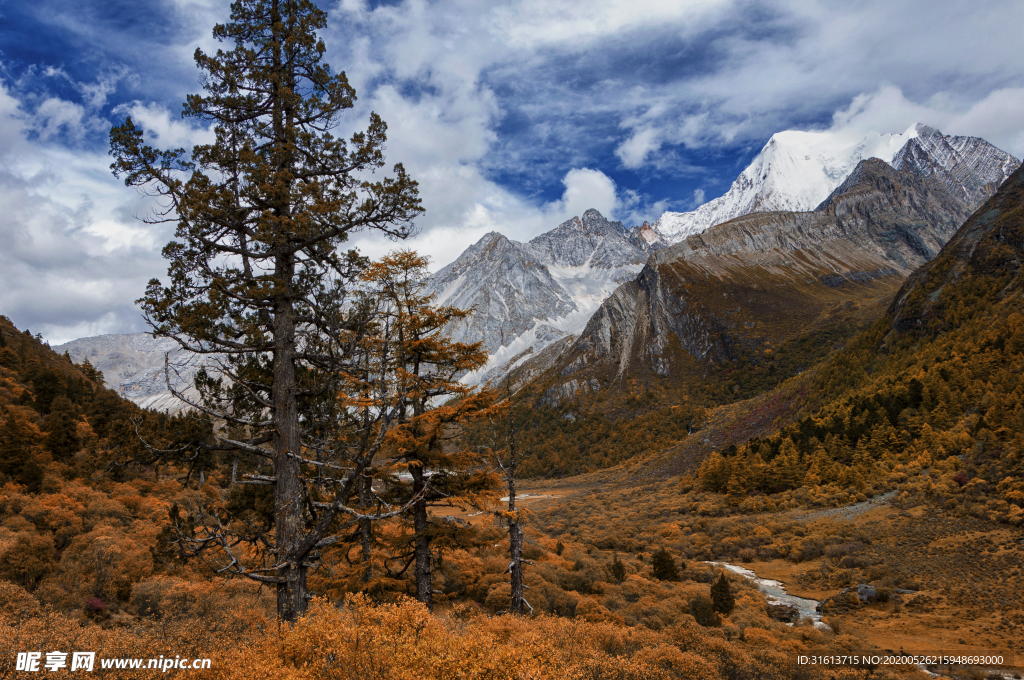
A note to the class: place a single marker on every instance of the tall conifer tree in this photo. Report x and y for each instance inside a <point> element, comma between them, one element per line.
<point>721,595</point>
<point>256,274</point>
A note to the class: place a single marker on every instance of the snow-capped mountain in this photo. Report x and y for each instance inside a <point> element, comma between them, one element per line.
<point>527,295</point>
<point>969,167</point>
<point>797,171</point>
<point>753,283</point>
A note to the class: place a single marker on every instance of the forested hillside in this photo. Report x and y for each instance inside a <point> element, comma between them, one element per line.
<point>930,398</point>
<point>58,417</point>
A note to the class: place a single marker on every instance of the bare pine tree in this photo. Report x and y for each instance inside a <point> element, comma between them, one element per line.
<point>507,459</point>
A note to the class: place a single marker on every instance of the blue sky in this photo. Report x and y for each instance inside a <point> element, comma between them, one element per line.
<point>514,115</point>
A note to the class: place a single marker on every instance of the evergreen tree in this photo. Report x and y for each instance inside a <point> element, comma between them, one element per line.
<point>256,273</point>
<point>61,426</point>
<point>703,610</point>
<point>618,569</point>
<point>90,371</point>
<point>664,567</point>
<point>411,365</point>
<point>20,450</point>
<point>721,595</point>
<point>508,459</point>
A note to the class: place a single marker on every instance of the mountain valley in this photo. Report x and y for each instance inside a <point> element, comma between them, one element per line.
<point>830,397</point>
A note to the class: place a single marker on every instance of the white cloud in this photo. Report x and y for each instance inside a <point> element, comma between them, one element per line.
<point>944,56</point>
<point>635,150</point>
<point>996,118</point>
<point>55,116</point>
<point>73,258</point>
<point>531,23</point>
<point>584,188</point>
<point>12,129</point>
<point>164,129</point>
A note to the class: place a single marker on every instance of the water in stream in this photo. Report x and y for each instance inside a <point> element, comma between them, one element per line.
<point>776,593</point>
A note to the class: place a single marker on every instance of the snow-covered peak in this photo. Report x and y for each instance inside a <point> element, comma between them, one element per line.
<point>796,170</point>
<point>524,296</point>
<point>588,241</point>
<point>969,167</point>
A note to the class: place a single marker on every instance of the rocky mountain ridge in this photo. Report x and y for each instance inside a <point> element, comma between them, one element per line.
<point>133,365</point>
<point>526,296</point>
<point>519,313</point>
<point>738,290</point>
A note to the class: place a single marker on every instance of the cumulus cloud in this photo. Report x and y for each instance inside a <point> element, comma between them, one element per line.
<point>584,188</point>
<point>531,23</point>
<point>162,128</point>
<point>635,150</point>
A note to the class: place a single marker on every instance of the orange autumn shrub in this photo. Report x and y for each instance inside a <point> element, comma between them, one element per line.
<point>402,641</point>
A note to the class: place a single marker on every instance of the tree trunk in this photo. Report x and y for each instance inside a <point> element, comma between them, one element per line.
<point>424,586</point>
<point>288,509</point>
<point>515,532</point>
<point>515,539</point>
<point>288,506</point>
<point>365,528</point>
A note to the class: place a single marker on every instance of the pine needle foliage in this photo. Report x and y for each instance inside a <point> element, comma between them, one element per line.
<point>664,566</point>
<point>721,595</point>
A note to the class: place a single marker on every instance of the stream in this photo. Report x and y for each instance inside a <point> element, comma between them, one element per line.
<point>776,593</point>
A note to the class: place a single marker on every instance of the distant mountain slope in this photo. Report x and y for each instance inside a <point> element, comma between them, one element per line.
<point>133,366</point>
<point>729,316</point>
<point>981,264</point>
<point>969,167</point>
<point>740,288</point>
<point>527,295</point>
<point>928,398</point>
<point>796,171</point>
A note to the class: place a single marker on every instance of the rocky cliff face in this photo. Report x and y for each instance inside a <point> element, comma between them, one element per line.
<point>506,288</point>
<point>981,264</point>
<point>739,289</point>
<point>969,167</point>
